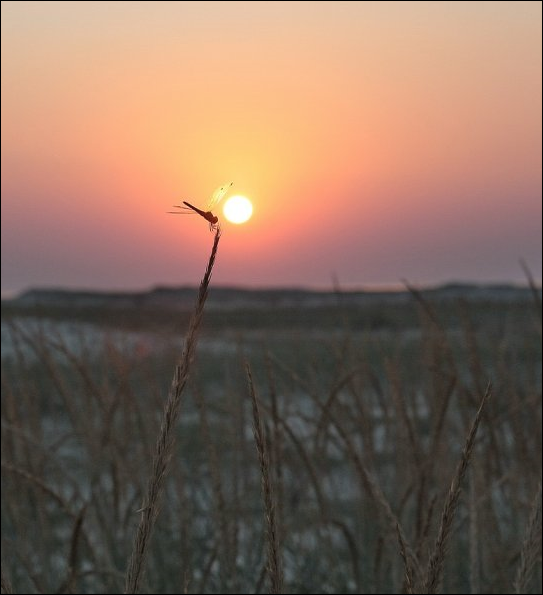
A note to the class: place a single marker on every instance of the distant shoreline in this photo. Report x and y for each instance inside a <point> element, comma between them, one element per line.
<point>231,295</point>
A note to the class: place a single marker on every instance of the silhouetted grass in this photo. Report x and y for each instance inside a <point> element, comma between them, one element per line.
<point>357,433</point>
<point>166,436</point>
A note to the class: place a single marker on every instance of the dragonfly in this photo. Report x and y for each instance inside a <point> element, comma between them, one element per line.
<point>206,212</point>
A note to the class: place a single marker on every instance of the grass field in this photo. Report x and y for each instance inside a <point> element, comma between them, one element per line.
<point>350,464</point>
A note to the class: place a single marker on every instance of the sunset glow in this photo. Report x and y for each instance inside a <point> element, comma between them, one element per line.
<point>384,141</point>
<point>238,209</point>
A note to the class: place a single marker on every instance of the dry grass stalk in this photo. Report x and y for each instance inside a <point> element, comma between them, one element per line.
<point>402,413</point>
<point>206,573</point>
<point>421,543</point>
<point>432,316</point>
<point>227,553</point>
<point>69,586</point>
<point>327,518</point>
<point>531,547</point>
<point>276,449</point>
<point>6,585</point>
<point>166,437</point>
<point>534,289</point>
<point>437,433</point>
<point>370,484</point>
<point>274,562</point>
<point>408,569</point>
<point>367,480</point>
<point>333,396</point>
<point>474,562</point>
<point>434,570</point>
<point>40,484</point>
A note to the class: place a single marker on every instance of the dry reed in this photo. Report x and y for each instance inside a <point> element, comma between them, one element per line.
<point>531,547</point>
<point>166,437</point>
<point>408,569</point>
<point>474,561</point>
<point>5,583</point>
<point>536,292</point>
<point>227,552</point>
<point>434,570</point>
<point>325,426</point>
<point>274,562</point>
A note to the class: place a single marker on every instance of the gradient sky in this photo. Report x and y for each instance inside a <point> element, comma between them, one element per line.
<point>378,141</point>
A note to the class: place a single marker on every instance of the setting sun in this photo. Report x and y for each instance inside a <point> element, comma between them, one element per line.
<point>238,209</point>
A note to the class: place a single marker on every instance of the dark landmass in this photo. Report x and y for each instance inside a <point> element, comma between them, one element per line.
<point>238,309</point>
<point>236,297</point>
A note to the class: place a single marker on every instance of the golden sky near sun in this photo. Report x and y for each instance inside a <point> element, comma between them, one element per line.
<point>384,129</point>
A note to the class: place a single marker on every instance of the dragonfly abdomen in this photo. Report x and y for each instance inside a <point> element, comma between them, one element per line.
<point>208,215</point>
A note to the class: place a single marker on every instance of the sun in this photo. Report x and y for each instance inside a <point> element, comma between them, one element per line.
<point>238,209</point>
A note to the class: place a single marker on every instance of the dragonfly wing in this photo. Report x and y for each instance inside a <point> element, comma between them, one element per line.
<point>218,195</point>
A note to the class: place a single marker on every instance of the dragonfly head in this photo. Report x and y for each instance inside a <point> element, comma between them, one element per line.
<point>214,219</point>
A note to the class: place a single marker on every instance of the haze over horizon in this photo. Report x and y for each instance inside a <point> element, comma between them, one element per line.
<point>378,141</point>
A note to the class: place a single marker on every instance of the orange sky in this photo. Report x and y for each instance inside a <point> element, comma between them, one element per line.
<point>378,141</point>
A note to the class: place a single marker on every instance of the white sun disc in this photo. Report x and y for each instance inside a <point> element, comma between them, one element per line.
<point>238,209</point>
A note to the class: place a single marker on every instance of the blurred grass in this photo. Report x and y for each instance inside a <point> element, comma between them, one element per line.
<point>82,394</point>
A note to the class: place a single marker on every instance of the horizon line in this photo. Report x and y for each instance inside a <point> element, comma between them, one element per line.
<point>340,288</point>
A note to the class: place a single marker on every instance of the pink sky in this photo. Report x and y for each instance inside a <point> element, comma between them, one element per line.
<point>378,141</point>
